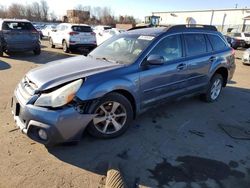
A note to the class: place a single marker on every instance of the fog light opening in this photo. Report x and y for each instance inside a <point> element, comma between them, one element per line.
<point>42,134</point>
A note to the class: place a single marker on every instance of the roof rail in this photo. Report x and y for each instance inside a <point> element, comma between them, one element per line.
<point>192,26</point>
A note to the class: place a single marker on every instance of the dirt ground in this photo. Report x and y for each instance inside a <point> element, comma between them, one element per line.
<point>179,144</point>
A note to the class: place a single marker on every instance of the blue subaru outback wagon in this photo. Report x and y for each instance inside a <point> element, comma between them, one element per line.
<point>126,75</point>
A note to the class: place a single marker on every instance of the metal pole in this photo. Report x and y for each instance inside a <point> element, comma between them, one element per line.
<point>212,17</point>
<point>223,22</point>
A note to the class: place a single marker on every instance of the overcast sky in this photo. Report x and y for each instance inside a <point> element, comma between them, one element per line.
<point>137,8</point>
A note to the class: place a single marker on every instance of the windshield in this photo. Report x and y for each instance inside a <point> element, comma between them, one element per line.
<point>247,34</point>
<point>124,49</point>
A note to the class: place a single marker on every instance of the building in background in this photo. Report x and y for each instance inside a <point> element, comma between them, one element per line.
<point>223,19</point>
<point>77,16</point>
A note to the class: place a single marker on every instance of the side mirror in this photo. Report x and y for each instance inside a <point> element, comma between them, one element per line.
<point>54,30</point>
<point>155,60</point>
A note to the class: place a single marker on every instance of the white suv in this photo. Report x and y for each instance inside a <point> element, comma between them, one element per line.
<point>243,36</point>
<point>73,36</point>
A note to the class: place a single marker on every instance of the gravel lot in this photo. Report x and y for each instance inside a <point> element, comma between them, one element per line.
<point>179,144</point>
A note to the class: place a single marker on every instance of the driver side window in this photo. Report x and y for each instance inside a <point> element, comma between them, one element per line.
<point>170,48</point>
<point>58,28</point>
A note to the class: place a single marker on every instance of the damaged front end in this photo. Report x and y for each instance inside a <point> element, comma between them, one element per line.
<point>52,116</point>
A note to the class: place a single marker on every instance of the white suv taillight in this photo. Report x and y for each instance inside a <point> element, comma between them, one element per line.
<point>73,33</point>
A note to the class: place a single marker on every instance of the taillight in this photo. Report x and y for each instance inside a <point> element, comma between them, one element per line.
<point>73,33</point>
<point>34,32</point>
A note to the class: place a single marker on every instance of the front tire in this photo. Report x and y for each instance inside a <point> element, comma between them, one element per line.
<point>51,43</point>
<point>65,47</point>
<point>214,89</point>
<point>114,114</point>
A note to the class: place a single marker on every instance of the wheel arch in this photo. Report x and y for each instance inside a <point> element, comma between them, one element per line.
<point>224,73</point>
<point>130,98</point>
<point>64,40</point>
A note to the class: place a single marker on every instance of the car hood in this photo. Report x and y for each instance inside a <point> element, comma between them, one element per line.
<point>65,70</point>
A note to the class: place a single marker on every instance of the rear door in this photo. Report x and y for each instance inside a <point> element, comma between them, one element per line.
<point>199,57</point>
<point>158,82</point>
<point>83,34</point>
<point>58,34</point>
<point>19,33</point>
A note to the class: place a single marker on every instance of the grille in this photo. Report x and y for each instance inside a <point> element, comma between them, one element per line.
<point>25,90</point>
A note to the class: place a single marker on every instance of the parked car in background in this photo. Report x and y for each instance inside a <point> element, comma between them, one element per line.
<point>106,34</point>
<point>39,30</point>
<point>73,36</point>
<point>246,57</point>
<point>235,43</point>
<point>100,28</point>
<point>18,35</point>
<point>46,31</point>
<point>104,91</point>
<point>242,36</point>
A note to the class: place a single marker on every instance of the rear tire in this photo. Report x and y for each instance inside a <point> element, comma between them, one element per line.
<point>37,50</point>
<point>114,114</point>
<point>51,43</point>
<point>214,89</point>
<point>65,47</point>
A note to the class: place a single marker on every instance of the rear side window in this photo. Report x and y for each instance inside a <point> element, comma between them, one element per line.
<point>106,27</point>
<point>217,42</point>
<point>86,29</point>
<point>237,35</point>
<point>17,26</point>
<point>170,48</point>
<point>195,44</point>
<point>247,34</point>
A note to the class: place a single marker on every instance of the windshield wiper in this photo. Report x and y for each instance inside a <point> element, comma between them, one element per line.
<point>105,59</point>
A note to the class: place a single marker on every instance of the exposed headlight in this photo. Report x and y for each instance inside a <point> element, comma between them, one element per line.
<point>60,96</point>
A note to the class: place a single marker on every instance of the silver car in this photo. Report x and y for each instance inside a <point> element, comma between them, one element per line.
<point>18,35</point>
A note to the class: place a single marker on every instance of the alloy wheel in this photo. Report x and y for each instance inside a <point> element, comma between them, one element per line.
<point>110,117</point>
<point>216,89</point>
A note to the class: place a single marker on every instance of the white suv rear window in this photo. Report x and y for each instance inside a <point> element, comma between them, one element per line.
<point>86,29</point>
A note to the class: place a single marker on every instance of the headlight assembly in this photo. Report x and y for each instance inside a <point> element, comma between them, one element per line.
<point>61,96</point>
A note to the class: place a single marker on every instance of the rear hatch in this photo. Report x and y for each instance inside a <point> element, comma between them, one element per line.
<point>19,34</point>
<point>82,35</point>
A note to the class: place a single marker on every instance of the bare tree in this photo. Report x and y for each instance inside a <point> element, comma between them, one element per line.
<point>126,20</point>
<point>52,16</point>
<point>65,19</point>
<point>3,12</point>
<point>16,10</point>
<point>36,11</point>
<point>29,13</point>
<point>44,10</point>
<point>39,11</point>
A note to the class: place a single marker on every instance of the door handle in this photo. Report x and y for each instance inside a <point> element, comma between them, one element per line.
<point>181,66</point>
<point>212,59</point>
